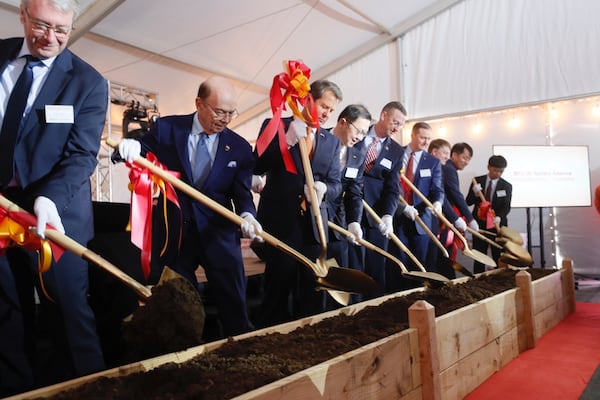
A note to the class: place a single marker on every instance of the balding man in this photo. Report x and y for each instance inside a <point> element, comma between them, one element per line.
<point>219,163</point>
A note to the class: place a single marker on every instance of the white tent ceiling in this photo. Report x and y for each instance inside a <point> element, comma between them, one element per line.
<point>169,47</point>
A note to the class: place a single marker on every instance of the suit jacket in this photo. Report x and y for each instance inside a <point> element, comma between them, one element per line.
<point>230,177</point>
<point>428,180</point>
<point>501,199</point>
<point>453,195</point>
<point>283,193</point>
<point>348,207</point>
<point>381,188</point>
<point>56,160</point>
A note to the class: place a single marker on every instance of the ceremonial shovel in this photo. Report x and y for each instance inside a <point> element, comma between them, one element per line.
<point>474,254</point>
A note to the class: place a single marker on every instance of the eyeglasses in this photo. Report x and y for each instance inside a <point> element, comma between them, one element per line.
<point>41,28</point>
<point>220,114</point>
<point>360,133</point>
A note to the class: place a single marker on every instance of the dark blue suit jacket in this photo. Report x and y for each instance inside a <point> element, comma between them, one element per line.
<point>281,198</point>
<point>56,160</point>
<point>454,198</point>
<point>428,180</point>
<point>381,188</point>
<point>230,176</point>
<point>348,207</point>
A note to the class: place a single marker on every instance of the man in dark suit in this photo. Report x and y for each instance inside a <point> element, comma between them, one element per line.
<point>48,152</point>
<point>219,163</point>
<point>283,212</point>
<point>455,207</point>
<point>381,189</point>
<point>346,210</point>
<point>425,172</point>
<point>497,191</point>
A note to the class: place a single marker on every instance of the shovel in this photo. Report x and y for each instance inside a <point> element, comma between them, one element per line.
<point>334,279</point>
<point>425,277</point>
<point>471,253</point>
<point>67,243</point>
<point>446,260</point>
<point>484,238</point>
<point>432,276</point>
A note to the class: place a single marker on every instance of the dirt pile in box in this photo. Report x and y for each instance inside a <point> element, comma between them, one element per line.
<point>240,366</point>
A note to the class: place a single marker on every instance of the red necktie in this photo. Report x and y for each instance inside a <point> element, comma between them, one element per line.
<point>408,195</point>
<point>371,156</point>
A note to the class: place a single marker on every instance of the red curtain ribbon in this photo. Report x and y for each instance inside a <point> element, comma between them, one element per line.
<point>289,87</point>
<point>486,213</point>
<point>143,185</point>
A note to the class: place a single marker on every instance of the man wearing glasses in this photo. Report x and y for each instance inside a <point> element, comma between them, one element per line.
<point>52,112</point>
<point>219,163</point>
<point>383,161</point>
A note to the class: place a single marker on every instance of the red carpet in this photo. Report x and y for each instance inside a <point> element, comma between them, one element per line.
<point>559,367</point>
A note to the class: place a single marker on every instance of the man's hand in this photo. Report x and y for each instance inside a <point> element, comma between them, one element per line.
<point>296,130</point>
<point>386,227</point>
<point>356,231</point>
<point>410,212</point>
<point>474,225</point>
<point>258,183</point>
<point>251,228</point>
<point>129,149</point>
<point>460,224</point>
<point>320,190</point>
<point>46,212</point>
<point>476,189</point>
<point>437,207</point>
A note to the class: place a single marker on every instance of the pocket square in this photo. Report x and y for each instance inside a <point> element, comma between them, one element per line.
<point>232,164</point>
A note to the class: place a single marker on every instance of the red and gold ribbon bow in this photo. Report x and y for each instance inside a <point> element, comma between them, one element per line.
<point>289,87</point>
<point>14,231</point>
<point>143,185</point>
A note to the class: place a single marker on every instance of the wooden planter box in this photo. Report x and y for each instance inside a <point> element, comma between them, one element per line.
<point>436,358</point>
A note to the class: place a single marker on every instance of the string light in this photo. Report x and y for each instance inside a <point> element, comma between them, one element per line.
<point>477,128</point>
<point>514,122</point>
<point>596,110</point>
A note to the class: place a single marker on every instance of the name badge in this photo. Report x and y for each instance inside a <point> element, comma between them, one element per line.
<point>351,172</point>
<point>425,173</point>
<point>386,163</point>
<point>56,114</point>
<point>501,193</point>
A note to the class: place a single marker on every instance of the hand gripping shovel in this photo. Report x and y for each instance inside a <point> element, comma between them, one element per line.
<point>334,280</point>
<point>446,260</point>
<point>67,243</point>
<point>425,277</point>
<point>430,276</point>
<point>474,254</point>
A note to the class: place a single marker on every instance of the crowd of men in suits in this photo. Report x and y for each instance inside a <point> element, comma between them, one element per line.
<point>53,107</point>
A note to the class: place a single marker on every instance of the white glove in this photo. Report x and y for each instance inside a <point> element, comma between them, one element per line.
<point>474,225</point>
<point>497,221</point>
<point>46,212</point>
<point>257,183</point>
<point>129,149</point>
<point>410,212</point>
<point>251,228</point>
<point>437,207</point>
<point>356,231</point>
<point>386,226</point>
<point>297,129</point>
<point>460,224</point>
<point>320,190</point>
<point>476,188</point>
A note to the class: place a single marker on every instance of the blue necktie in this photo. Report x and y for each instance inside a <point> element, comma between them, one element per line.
<point>202,161</point>
<point>13,120</point>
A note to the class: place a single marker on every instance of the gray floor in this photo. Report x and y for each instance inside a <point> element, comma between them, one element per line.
<point>587,289</point>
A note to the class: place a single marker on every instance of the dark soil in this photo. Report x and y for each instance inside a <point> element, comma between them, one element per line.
<point>240,366</point>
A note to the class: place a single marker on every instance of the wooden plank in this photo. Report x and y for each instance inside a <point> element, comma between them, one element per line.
<point>569,284</point>
<point>523,279</point>
<point>421,316</point>
<point>463,331</point>
<point>380,370</point>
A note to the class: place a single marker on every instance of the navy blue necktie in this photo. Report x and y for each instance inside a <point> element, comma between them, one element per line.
<point>13,119</point>
<point>202,161</point>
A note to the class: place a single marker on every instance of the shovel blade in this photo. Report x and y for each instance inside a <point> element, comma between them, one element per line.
<point>348,280</point>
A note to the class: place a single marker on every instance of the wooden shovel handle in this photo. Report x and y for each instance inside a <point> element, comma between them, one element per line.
<point>368,245</point>
<point>395,238</point>
<point>71,245</point>
<point>439,214</point>
<point>428,231</point>
<point>484,238</point>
